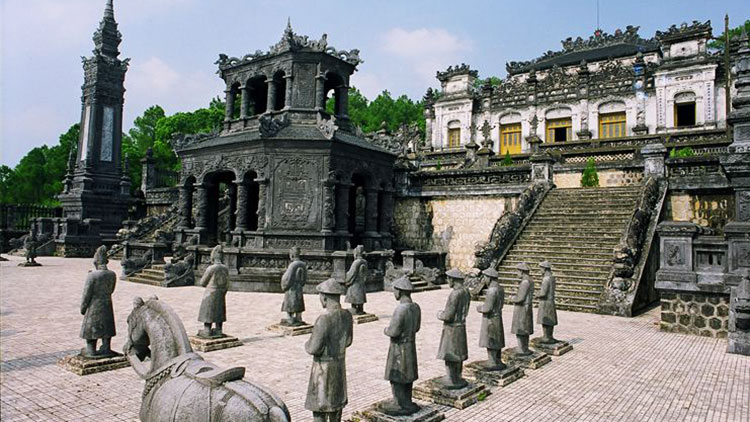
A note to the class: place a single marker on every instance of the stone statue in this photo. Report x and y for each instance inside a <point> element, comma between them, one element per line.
<point>356,279</point>
<point>453,348</point>
<point>96,307</point>
<point>547,313</point>
<point>292,283</point>
<point>180,385</point>
<point>492,336</point>
<point>401,366</point>
<point>523,317</point>
<point>180,272</point>
<point>331,335</point>
<point>213,306</point>
<point>30,243</point>
<point>131,266</point>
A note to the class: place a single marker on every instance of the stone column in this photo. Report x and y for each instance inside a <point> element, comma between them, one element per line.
<point>242,202</point>
<point>271,99</point>
<point>343,98</point>
<point>201,221</point>
<point>342,207</point>
<point>385,217</point>
<point>186,207</point>
<point>229,110</point>
<point>371,211</point>
<point>320,95</point>
<point>328,205</point>
<point>245,107</point>
<point>288,93</point>
<point>639,85</point>
<point>541,167</point>
<point>262,191</point>
<point>232,193</point>
<point>148,171</point>
<point>653,160</point>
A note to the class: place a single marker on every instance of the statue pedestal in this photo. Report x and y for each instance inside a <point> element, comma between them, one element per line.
<point>535,360</point>
<point>500,378</point>
<point>434,392</point>
<point>291,330</point>
<point>81,365</point>
<point>205,344</point>
<point>364,318</point>
<point>29,264</point>
<point>555,349</point>
<point>426,413</point>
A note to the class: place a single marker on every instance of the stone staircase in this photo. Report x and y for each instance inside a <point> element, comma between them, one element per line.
<point>421,285</point>
<point>153,276</point>
<point>576,230</point>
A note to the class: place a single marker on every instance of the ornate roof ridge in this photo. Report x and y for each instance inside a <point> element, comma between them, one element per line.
<point>290,41</point>
<point>685,30</point>
<point>600,39</point>
<point>462,69</point>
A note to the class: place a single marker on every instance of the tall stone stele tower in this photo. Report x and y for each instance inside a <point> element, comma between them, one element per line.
<point>96,196</point>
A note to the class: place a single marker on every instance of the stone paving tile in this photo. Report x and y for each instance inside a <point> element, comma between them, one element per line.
<point>620,370</point>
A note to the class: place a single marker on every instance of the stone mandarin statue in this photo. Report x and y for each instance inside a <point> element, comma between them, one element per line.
<point>96,307</point>
<point>401,366</point>
<point>523,317</point>
<point>453,348</point>
<point>30,244</point>
<point>491,335</point>
<point>547,313</point>
<point>213,306</point>
<point>356,279</point>
<point>292,283</point>
<point>331,335</point>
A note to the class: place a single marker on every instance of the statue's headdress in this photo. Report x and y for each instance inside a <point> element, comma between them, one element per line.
<point>100,257</point>
<point>217,253</point>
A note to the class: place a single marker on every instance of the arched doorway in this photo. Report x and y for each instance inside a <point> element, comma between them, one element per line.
<point>357,209</point>
<point>221,204</point>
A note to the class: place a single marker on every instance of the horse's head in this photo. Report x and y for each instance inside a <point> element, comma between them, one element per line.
<point>155,336</point>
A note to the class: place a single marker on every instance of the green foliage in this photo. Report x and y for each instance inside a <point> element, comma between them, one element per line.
<point>681,152</point>
<point>39,175</point>
<point>439,164</point>
<point>384,110</point>
<point>590,178</point>
<point>719,43</point>
<point>507,161</point>
<point>481,396</point>
<point>493,80</point>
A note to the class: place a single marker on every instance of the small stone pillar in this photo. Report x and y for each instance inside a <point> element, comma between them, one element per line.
<point>232,194</point>
<point>201,221</point>
<point>262,192</point>
<point>339,265</point>
<point>676,246</point>
<point>385,223</point>
<point>541,168</point>
<point>245,106</point>
<point>320,98</point>
<point>271,99</point>
<point>343,98</point>
<point>410,261</point>
<point>342,208</point>
<point>186,207</point>
<point>371,212</point>
<point>739,318</point>
<point>229,110</point>
<point>148,174</point>
<point>242,202</point>
<point>653,160</point>
<point>483,157</point>
<point>328,204</point>
<point>288,93</point>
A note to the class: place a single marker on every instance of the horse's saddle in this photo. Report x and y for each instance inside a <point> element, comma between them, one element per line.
<point>193,366</point>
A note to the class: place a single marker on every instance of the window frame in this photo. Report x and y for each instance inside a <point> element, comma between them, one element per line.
<point>457,143</point>
<point>513,132</point>
<point>552,124</point>
<point>676,114</point>
<point>609,122</point>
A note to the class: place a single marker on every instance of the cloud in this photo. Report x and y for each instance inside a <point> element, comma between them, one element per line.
<point>369,84</point>
<point>425,50</point>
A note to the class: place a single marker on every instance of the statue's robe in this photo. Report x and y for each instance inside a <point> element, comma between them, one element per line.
<point>96,305</point>
<point>213,306</point>
<point>292,283</point>
<point>356,278</point>
<point>491,335</point>
<point>547,313</point>
<point>401,366</point>
<point>523,316</point>
<point>331,335</point>
<point>453,347</point>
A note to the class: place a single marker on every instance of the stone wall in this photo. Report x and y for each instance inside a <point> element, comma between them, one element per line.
<point>703,314</point>
<point>607,178</point>
<point>707,210</point>
<point>412,224</point>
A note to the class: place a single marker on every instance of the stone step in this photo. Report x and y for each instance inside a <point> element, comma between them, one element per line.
<point>571,245</point>
<point>596,273</point>
<point>592,254</point>
<point>153,277</point>
<point>563,291</point>
<point>580,238</point>
<point>560,265</point>
<point>609,213</point>
<point>602,222</point>
<point>143,280</point>
<point>564,260</point>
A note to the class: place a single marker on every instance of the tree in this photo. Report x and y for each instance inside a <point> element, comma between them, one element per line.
<point>590,178</point>
<point>719,43</point>
<point>383,111</point>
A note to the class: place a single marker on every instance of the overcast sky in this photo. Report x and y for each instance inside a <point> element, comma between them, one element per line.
<point>174,43</point>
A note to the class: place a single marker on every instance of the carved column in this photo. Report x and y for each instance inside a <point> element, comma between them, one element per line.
<point>288,93</point>
<point>342,207</point>
<point>232,194</point>
<point>328,205</point>
<point>186,206</point>
<point>262,190</point>
<point>385,216</point>
<point>245,107</point>
<point>639,85</point>
<point>229,110</point>
<point>371,211</point>
<point>201,220</point>
<point>320,98</point>
<point>343,98</point>
<point>242,202</point>
<point>271,99</point>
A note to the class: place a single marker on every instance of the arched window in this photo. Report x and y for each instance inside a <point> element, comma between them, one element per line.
<point>559,125</point>
<point>612,120</point>
<point>510,133</point>
<point>684,109</point>
<point>335,89</point>
<point>233,103</point>
<point>454,134</point>
<point>258,95</point>
<point>279,100</point>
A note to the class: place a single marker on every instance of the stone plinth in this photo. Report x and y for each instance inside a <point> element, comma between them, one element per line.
<point>425,413</point>
<point>29,264</point>
<point>535,360</point>
<point>364,318</point>
<point>203,344</point>
<point>291,330</point>
<point>81,365</point>
<point>432,391</point>
<point>555,349</point>
<point>499,378</point>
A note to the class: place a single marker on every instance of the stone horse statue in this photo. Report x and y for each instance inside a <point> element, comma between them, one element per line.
<point>180,385</point>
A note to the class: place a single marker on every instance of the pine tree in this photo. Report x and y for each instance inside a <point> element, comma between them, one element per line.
<point>590,178</point>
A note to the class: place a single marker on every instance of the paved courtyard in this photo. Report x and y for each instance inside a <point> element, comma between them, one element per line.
<point>620,370</point>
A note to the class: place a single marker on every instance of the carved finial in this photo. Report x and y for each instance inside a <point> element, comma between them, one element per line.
<point>109,10</point>
<point>71,160</point>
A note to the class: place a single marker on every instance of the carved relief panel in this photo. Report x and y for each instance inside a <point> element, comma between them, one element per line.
<point>296,193</point>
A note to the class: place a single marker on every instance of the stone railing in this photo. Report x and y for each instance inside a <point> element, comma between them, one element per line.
<point>623,294</point>
<point>509,226</point>
<point>697,172</point>
<point>21,216</point>
<point>450,182</point>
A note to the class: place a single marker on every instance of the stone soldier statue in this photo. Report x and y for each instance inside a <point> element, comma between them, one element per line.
<point>491,335</point>
<point>292,283</point>
<point>96,307</point>
<point>547,313</point>
<point>213,306</point>
<point>331,335</point>
<point>401,366</point>
<point>453,348</point>
<point>356,278</point>
<point>29,244</point>
<point>523,317</point>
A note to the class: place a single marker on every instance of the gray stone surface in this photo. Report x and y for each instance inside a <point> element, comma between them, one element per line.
<point>81,365</point>
<point>292,283</point>
<point>180,385</point>
<point>531,360</point>
<point>96,307</point>
<point>213,310</point>
<point>356,278</point>
<point>434,391</point>
<point>453,348</point>
<point>547,313</point>
<point>492,335</point>
<point>425,413</point>
<point>493,378</point>
<point>556,348</point>
<point>523,319</point>
<point>739,318</point>
<point>202,344</point>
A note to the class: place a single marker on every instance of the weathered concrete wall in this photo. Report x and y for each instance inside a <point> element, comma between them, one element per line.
<point>455,225</point>
<point>708,210</point>
<point>607,178</point>
<point>703,314</point>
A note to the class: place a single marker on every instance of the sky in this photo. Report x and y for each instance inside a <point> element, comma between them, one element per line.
<point>173,45</point>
